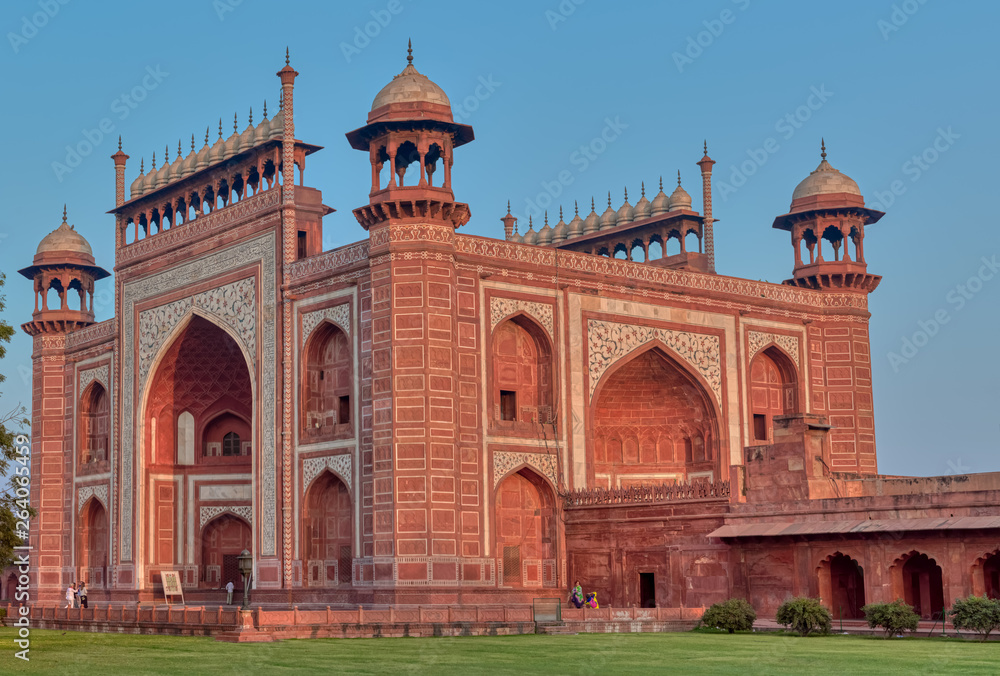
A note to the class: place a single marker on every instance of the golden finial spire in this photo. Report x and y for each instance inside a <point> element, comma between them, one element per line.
<point>409,52</point>
<point>706,146</point>
<point>591,202</point>
<point>546,218</point>
<point>530,223</point>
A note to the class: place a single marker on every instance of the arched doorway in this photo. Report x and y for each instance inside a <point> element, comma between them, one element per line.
<point>525,531</point>
<point>222,541</point>
<point>919,583</point>
<point>773,386</point>
<point>653,422</point>
<point>327,532</point>
<point>522,374</point>
<point>327,385</point>
<point>986,576</point>
<point>94,426</point>
<point>92,544</point>
<point>842,586</point>
<point>10,588</point>
<point>199,391</point>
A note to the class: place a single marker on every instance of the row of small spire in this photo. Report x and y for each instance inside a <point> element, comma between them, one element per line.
<point>626,213</point>
<point>220,151</point>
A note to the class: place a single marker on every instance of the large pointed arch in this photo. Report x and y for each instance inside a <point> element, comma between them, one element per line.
<point>327,531</point>
<point>652,393</point>
<point>522,387</point>
<point>775,390</point>
<point>526,533</point>
<point>327,383</point>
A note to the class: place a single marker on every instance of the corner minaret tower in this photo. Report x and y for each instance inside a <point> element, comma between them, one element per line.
<point>828,206</point>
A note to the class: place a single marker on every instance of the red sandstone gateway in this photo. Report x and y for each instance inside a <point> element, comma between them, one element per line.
<point>436,418</point>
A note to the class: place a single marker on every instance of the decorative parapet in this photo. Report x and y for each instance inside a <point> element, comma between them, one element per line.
<point>325,263</point>
<point>101,332</point>
<point>633,495</point>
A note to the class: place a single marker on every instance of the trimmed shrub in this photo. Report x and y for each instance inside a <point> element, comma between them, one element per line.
<point>894,618</point>
<point>732,615</point>
<point>977,614</point>
<point>804,615</point>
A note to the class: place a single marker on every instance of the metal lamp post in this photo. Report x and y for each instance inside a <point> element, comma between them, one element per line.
<point>245,562</point>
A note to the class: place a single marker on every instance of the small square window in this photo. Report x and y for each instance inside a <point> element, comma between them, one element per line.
<point>759,427</point>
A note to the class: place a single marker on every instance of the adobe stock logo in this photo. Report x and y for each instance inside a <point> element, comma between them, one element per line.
<point>959,296</point>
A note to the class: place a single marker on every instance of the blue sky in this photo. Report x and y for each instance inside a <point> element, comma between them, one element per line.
<point>905,94</point>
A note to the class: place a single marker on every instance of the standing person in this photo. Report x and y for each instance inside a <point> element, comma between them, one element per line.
<point>70,595</point>
<point>83,595</point>
<point>577,595</point>
<point>76,595</point>
<point>229,593</point>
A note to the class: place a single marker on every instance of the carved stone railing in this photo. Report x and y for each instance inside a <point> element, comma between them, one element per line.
<point>632,495</point>
<point>102,331</point>
<point>327,262</point>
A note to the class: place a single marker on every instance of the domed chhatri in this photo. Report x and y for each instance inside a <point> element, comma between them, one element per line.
<point>825,180</point>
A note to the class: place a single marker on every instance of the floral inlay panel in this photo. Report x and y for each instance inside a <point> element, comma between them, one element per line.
<point>100,374</point>
<point>505,461</point>
<point>338,314</point>
<point>501,308</point>
<point>86,492</point>
<point>338,464</point>
<point>759,341</point>
<point>210,512</point>
<point>610,341</point>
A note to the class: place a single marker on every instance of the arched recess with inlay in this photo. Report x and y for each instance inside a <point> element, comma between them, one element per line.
<point>654,421</point>
<point>93,430</point>
<point>774,387</point>
<point>522,387</point>
<point>526,533</point>
<point>198,438</point>
<point>223,539</point>
<point>92,544</point>
<point>327,385</point>
<point>327,531</point>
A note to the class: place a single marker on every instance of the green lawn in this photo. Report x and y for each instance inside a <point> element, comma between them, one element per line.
<point>55,652</point>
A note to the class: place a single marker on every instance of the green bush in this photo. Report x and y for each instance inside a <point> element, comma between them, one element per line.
<point>894,618</point>
<point>977,614</point>
<point>804,615</point>
<point>732,615</point>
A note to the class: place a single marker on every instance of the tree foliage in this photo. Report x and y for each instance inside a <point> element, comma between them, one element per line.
<point>893,618</point>
<point>977,614</point>
<point>732,615</point>
<point>12,422</point>
<point>804,615</point>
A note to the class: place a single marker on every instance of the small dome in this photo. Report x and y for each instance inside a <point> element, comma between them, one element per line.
<point>516,238</point>
<point>530,237</point>
<point>625,212</point>
<point>277,126</point>
<point>203,158</point>
<point>410,86</point>
<point>679,199</point>
<point>825,180</point>
<point>260,135</point>
<point>136,189</point>
<point>559,232</point>
<point>575,227</point>
<point>177,166</point>
<point>593,222</point>
<point>162,176</point>
<point>249,135</point>
<point>545,234</point>
<point>642,207</point>
<point>233,145</point>
<point>65,240</point>
<point>190,163</point>
<point>609,218</point>
<point>217,151</point>
<point>660,203</point>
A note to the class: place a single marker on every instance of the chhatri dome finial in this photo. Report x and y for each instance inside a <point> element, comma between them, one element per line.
<point>142,165</point>
<point>220,127</point>
<point>166,155</point>
<point>643,189</point>
<point>576,208</point>
<point>609,199</point>
<point>706,146</point>
<point>822,148</point>
<point>591,202</point>
<point>678,177</point>
<point>251,116</point>
<point>626,193</point>
<point>179,151</point>
<point>64,212</point>
<point>508,206</point>
<point>207,130</point>
<point>119,142</point>
<point>409,51</point>
<point>288,58</point>
<point>153,164</point>
<point>192,142</point>
<point>236,123</point>
<point>265,109</point>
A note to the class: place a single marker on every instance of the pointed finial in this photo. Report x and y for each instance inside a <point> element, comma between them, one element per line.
<point>265,109</point>
<point>153,163</point>
<point>251,116</point>
<point>706,146</point>
<point>142,166</point>
<point>192,142</point>
<point>235,123</point>
<point>281,101</point>
<point>64,212</point>
<point>678,178</point>
<point>508,207</point>
<point>822,148</point>
<point>179,151</point>
<point>626,193</point>
<point>530,224</point>
<point>207,130</point>
<point>643,189</point>
<point>560,212</point>
<point>119,142</point>
<point>661,184</point>
<point>591,202</point>
<point>546,218</point>
<point>576,208</point>
<point>220,128</point>
<point>609,199</point>
<point>409,51</point>
<point>288,60</point>
<point>166,155</point>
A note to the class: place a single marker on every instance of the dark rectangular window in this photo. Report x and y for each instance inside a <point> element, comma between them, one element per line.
<point>759,427</point>
<point>508,405</point>
<point>344,410</point>
<point>647,590</point>
<point>301,253</point>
